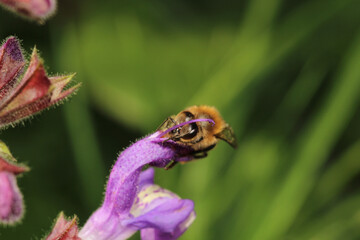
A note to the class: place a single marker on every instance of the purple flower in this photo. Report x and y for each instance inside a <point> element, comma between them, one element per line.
<point>133,202</point>
<point>11,200</point>
<point>38,10</point>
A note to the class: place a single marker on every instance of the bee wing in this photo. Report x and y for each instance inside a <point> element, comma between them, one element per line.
<point>227,134</point>
<point>168,123</point>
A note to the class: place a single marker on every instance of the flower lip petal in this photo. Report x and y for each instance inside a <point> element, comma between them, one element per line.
<point>156,234</point>
<point>166,217</point>
<point>160,209</point>
<point>146,177</point>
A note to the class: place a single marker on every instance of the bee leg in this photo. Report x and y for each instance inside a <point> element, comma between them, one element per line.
<point>175,139</point>
<point>196,156</point>
<point>170,165</point>
<point>168,139</point>
<point>200,155</point>
<point>169,122</point>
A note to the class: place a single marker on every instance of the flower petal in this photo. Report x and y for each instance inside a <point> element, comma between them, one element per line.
<point>160,213</point>
<point>160,210</point>
<point>11,200</point>
<point>146,177</point>
<point>156,234</point>
<point>165,217</point>
<point>105,225</point>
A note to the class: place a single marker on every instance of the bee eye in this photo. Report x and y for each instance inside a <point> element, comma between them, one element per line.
<point>193,130</point>
<point>189,114</point>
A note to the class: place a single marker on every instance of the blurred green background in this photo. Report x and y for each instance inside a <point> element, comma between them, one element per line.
<point>284,74</point>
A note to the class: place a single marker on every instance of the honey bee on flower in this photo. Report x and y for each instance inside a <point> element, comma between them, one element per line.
<point>199,128</point>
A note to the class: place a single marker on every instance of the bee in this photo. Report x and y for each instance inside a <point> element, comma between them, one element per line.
<point>199,128</point>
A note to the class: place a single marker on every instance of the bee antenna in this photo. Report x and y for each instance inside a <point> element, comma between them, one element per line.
<point>185,123</point>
